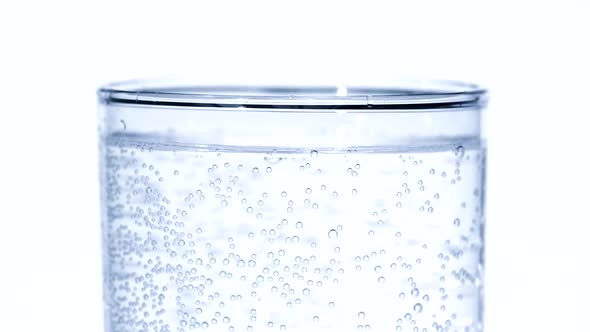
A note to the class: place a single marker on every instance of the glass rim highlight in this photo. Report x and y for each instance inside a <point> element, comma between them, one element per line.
<point>399,96</point>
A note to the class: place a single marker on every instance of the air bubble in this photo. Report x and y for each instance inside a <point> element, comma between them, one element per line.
<point>269,170</point>
<point>332,234</point>
<point>459,152</point>
<point>418,307</point>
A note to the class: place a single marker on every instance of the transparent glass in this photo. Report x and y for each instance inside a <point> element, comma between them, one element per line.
<point>253,208</point>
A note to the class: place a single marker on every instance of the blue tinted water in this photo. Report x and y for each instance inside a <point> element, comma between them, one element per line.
<point>306,240</point>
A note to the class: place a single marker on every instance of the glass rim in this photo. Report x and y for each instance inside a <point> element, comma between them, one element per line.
<point>398,96</point>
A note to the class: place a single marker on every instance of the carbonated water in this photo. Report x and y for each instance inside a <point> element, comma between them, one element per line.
<point>221,239</point>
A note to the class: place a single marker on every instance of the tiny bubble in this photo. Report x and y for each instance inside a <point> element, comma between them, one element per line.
<point>418,307</point>
<point>459,152</point>
<point>332,234</point>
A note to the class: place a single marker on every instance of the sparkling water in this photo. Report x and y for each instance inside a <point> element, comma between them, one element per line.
<point>217,239</point>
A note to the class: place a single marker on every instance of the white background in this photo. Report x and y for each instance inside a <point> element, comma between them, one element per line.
<point>532,55</point>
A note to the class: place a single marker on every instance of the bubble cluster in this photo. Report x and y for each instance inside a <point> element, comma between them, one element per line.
<point>251,241</point>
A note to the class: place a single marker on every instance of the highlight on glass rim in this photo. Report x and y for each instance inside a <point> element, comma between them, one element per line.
<point>292,208</point>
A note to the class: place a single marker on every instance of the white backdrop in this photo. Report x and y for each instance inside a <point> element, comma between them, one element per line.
<point>532,55</point>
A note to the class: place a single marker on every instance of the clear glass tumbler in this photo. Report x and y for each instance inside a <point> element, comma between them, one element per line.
<point>265,208</point>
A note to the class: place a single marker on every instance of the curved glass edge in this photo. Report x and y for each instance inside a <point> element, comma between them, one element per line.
<point>400,97</point>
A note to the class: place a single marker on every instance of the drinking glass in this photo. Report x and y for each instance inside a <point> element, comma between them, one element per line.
<point>296,208</point>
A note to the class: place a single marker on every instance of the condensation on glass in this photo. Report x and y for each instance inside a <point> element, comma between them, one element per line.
<point>297,208</point>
